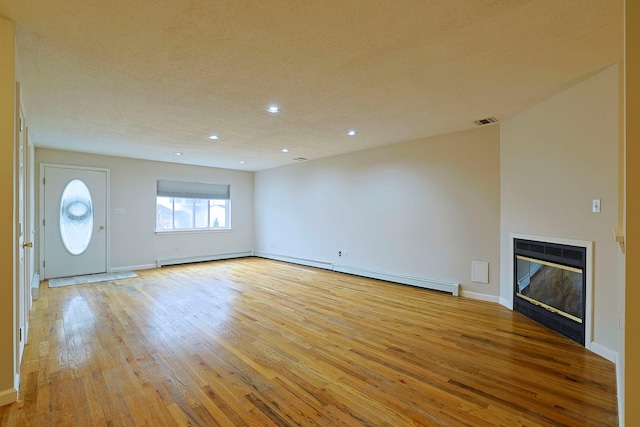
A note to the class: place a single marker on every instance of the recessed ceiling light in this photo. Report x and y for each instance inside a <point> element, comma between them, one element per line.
<point>213,137</point>
<point>285,150</point>
<point>273,109</point>
<point>177,153</point>
<point>242,162</point>
<point>352,133</point>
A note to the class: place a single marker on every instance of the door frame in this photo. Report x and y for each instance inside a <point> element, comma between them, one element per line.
<point>22,283</point>
<point>106,204</point>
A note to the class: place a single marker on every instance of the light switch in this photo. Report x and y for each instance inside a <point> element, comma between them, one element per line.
<point>118,211</point>
<point>596,205</point>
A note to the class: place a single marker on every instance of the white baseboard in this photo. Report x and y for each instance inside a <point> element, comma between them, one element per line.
<point>132,268</point>
<point>506,303</point>
<point>294,260</point>
<point>608,354</point>
<point>479,296</point>
<point>201,258</point>
<point>8,397</point>
<point>35,286</point>
<point>423,282</point>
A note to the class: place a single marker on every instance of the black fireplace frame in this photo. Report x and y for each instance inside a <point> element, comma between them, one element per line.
<point>562,254</point>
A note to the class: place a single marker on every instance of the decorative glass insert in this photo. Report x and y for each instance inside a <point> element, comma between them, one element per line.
<point>76,217</point>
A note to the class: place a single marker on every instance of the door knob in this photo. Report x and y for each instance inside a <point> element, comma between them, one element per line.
<point>101,227</point>
<point>27,245</point>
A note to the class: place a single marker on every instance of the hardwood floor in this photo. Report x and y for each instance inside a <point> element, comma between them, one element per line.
<point>252,342</point>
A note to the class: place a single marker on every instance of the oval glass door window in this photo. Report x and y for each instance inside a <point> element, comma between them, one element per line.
<point>76,217</point>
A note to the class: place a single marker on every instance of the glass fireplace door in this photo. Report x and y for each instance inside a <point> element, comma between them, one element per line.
<point>556,287</point>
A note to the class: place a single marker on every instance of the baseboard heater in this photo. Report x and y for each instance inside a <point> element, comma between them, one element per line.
<point>294,260</point>
<point>422,282</point>
<point>161,262</point>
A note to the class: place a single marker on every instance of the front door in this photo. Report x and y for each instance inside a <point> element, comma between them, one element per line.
<point>74,224</point>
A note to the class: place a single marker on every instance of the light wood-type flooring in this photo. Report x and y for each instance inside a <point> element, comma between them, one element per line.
<point>253,342</point>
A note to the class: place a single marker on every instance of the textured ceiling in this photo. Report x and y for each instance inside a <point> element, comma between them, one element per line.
<point>147,78</point>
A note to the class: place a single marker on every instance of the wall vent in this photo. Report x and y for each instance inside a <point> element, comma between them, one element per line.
<point>300,159</point>
<point>486,121</point>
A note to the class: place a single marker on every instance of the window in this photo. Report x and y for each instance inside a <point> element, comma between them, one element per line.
<point>182,205</point>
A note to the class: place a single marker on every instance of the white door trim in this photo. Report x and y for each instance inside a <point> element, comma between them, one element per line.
<point>107,208</point>
<point>21,313</point>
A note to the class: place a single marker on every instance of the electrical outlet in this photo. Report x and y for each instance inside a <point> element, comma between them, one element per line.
<point>345,254</point>
<point>339,254</point>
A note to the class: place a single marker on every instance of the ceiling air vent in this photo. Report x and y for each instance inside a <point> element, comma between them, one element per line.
<point>300,159</point>
<point>486,121</point>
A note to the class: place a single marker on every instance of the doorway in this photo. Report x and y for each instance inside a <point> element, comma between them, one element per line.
<point>74,220</point>
<point>24,266</point>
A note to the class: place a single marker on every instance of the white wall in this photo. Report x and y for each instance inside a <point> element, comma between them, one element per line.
<point>134,243</point>
<point>555,159</point>
<point>425,208</point>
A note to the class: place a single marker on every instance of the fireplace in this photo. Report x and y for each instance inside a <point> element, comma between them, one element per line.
<point>550,285</point>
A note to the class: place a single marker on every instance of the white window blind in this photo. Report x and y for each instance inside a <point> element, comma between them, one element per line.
<point>193,190</point>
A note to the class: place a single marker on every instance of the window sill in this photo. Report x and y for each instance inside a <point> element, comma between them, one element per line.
<point>200,231</point>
